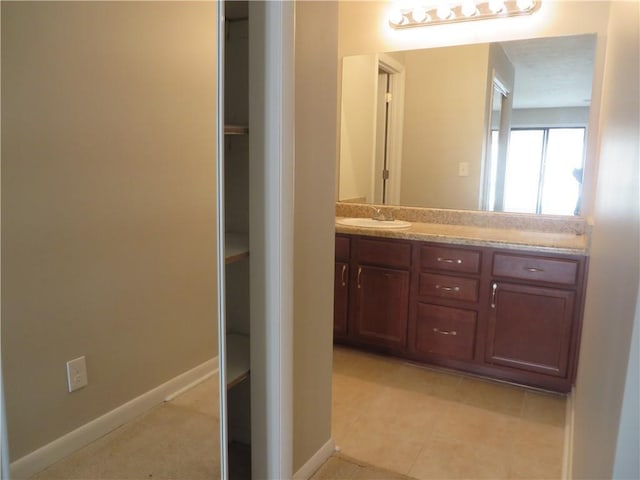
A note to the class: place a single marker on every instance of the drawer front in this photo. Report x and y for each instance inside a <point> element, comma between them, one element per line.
<point>449,259</point>
<point>383,253</point>
<point>541,269</point>
<point>446,332</point>
<point>447,286</point>
<point>342,249</point>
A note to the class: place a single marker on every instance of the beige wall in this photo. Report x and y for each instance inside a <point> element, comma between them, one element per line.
<point>358,127</point>
<point>444,88</point>
<point>316,148</point>
<point>108,204</point>
<point>612,294</point>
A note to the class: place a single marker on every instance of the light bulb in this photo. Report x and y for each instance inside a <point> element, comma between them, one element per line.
<point>396,18</point>
<point>524,5</point>
<point>444,11</point>
<point>496,6</point>
<point>469,8</point>
<point>419,14</point>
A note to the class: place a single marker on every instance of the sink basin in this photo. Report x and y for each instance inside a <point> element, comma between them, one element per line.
<point>371,223</point>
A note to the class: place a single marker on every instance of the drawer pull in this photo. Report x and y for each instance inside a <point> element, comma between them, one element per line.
<point>457,261</point>
<point>533,269</point>
<point>447,289</point>
<point>344,270</point>
<point>494,288</point>
<point>358,279</point>
<point>445,332</point>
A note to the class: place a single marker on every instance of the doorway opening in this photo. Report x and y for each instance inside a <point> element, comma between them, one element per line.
<point>388,138</point>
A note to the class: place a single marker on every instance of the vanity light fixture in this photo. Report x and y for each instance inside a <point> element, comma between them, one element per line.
<point>450,12</point>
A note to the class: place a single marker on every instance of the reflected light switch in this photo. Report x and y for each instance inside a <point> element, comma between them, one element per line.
<point>463,169</point>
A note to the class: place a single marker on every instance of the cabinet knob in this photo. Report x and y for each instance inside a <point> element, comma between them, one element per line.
<point>343,276</point>
<point>358,279</point>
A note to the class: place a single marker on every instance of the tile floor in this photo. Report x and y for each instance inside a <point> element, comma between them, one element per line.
<point>391,420</point>
<point>429,424</point>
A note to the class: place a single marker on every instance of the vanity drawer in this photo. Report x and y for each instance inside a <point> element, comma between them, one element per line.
<point>382,252</point>
<point>445,331</point>
<point>342,249</point>
<point>447,286</point>
<point>449,259</point>
<point>541,269</point>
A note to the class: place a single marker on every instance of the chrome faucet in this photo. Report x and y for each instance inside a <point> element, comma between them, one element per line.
<point>379,215</point>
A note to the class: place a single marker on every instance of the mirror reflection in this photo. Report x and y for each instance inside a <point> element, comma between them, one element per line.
<point>498,126</point>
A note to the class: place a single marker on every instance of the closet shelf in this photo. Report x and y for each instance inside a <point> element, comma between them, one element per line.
<point>236,130</point>
<point>236,247</point>
<point>237,358</point>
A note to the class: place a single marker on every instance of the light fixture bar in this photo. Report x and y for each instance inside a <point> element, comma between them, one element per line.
<point>461,12</point>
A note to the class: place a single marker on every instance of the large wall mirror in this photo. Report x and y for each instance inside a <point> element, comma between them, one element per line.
<point>498,126</point>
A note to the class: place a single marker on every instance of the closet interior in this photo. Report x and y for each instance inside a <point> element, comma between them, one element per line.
<point>236,185</point>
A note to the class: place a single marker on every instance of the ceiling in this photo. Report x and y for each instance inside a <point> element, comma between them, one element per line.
<point>552,72</point>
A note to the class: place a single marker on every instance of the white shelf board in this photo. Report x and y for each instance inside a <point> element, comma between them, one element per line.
<point>237,358</point>
<point>236,246</point>
<point>236,130</point>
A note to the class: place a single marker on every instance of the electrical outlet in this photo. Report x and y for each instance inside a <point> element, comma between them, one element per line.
<point>463,169</point>
<point>77,373</point>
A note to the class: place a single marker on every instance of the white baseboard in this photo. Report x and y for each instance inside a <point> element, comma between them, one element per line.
<point>63,446</point>
<point>567,457</point>
<point>316,461</point>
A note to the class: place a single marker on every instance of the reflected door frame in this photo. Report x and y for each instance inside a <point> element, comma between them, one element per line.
<point>493,176</point>
<point>394,125</point>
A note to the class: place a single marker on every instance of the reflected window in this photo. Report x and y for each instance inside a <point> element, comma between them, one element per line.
<point>544,171</point>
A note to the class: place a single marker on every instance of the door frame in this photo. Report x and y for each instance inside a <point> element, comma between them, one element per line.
<point>271,176</point>
<point>396,116</point>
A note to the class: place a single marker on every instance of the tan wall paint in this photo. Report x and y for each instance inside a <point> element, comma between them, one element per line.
<point>612,293</point>
<point>108,204</point>
<point>316,148</point>
<point>444,113</point>
<point>358,127</point>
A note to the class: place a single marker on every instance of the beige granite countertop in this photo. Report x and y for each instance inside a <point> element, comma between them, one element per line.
<point>551,242</point>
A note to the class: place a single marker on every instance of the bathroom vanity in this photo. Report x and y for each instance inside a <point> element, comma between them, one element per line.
<point>504,303</point>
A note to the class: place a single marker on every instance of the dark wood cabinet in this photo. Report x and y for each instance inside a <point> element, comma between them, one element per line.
<point>380,306</point>
<point>371,303</point>
<point>511,315</point>
<point>443,322</point>
<point>341,288</point>
<point>341,299</point>
<point>534,314</point>
<point>379,289</point>
<point>530,328</point>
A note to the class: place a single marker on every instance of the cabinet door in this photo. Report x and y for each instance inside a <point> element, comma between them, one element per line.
<point>380,307</point>
<point>530,328</point>
<point>341,299</point>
